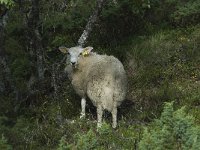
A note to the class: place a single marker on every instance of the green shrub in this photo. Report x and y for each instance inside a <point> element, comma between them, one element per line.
<point>125,137</point>
<point>174,12</point>
<point>3,144</point>
<point>187,13</point>
<point>174,130</point>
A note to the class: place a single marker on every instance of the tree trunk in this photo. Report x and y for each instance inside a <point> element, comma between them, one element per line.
<point>93,18</point>
<point>6,84</point>
<point>54,78</point>
<point>35,40</point>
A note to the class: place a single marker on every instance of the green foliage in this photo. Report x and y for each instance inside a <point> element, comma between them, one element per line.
<point>14,48</point>
<point>4,128</point>
<point>163,65</point>
<point>120,20</point>
<point>21,70</point>
<point>3,131</point>
<point>6,105</point>
<point>104,138</point>
<point>174,130</point>
<point>7,3</point>
<point>188,13</point>
<point>176,12</point>
<point>30,133</point>
<point>87,141</point>
<point>3,144</point>
<point>63,144</point>
<point>165,68</point>
<point>63,24</point>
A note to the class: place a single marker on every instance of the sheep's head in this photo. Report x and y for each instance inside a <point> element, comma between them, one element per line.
<point>75,53</point>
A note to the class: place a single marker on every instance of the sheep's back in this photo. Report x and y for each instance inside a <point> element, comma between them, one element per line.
<point>106,74</point>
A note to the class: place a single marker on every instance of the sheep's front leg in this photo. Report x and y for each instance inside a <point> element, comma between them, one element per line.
<point>114,117</point>
<point>83,104</point>
<point>99,116</point>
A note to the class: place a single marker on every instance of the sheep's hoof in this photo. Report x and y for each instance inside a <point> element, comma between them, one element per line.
<point>114,126</point>
<point>82,116</point>
<point>99,127</point>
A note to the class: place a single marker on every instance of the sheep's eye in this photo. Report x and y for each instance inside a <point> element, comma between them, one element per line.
<point>80,54</point>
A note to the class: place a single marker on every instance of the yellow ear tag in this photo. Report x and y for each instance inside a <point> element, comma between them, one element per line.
<point>85,53</point>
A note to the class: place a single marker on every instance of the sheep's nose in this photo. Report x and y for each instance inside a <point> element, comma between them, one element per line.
<point>73,63</point>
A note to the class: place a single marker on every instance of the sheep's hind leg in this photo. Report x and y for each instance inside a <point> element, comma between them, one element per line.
<point>114,117</point>
<point>99,116</point>
<point>83,104</point>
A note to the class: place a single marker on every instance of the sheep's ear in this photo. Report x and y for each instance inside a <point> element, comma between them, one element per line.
<point>87,50</point>
<point>63,49</point>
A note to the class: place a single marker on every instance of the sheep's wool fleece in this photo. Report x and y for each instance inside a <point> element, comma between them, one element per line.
<point>102,78</point>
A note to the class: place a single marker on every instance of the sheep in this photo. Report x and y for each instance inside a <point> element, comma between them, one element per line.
<point>101,78</point>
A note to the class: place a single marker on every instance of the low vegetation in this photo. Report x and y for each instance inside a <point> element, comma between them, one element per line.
<point>157,41</point>
<point>166,68</point>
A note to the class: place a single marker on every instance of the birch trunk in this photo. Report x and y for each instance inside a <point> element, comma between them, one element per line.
<point>54,78</point>
<point>93,18</point>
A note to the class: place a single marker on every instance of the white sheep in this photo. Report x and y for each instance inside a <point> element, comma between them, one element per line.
<point>102,78</point>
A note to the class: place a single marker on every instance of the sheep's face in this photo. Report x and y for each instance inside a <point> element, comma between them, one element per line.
<point>75,53</point>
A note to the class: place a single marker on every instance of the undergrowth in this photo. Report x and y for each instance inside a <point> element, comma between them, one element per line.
<point>161,67</point>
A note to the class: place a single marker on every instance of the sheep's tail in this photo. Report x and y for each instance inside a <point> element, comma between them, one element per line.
<point>120,88</point>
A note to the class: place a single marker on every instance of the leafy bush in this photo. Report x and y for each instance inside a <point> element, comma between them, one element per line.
<point>3,131</point>
<point>187,13</point>
<point>3,144</point>
<point>174,130</point>
<point>106,138</point>
<point>7,3</point>
<point>21,70</point>
<point>120,20</point>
